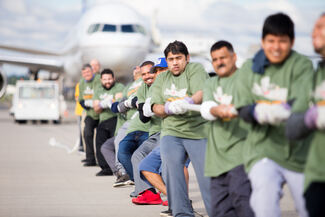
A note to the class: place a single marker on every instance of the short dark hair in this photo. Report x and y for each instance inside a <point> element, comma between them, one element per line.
<point>220,44</point>
<point>107,71</point>
<point>176,47</point>
<point>279,24</point>
<point>145,63</point>
<point>87,65</point>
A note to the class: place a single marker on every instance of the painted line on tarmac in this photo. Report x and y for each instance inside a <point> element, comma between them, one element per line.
<point>54,143</point>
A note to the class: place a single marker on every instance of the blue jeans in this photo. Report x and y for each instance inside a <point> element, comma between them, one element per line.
<point>127,146</point>
<point>138,156</point>
<point>174,154</point>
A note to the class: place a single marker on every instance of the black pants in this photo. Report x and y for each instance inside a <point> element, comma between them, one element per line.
<point>90,126</point>
<point>105,131</point>
<point>81,144</point>
<point>315,199</point>
<point>230,193</point>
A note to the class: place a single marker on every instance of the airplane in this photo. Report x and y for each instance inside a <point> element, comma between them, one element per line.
<point>114,34</point>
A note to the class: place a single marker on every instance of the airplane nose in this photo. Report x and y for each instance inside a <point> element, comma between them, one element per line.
<point>119,52</point>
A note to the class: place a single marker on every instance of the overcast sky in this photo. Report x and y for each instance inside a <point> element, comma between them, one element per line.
<point>44,24</point>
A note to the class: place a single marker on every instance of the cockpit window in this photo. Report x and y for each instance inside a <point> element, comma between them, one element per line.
<point>140,29</point>
<point>93,28</point>
<point>132,28</point>
<point>124,28</point>
<point>127,28</point>
<point>109,28</point>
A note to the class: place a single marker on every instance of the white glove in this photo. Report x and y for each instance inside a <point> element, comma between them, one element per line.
<point>106,103</point>
<point>205,110</point>
<point>320,121</point>
<point>147,108</point>
<point>89,103</point>
<point>176,107</point>
<point>273,114</point>
<point>128,102</point>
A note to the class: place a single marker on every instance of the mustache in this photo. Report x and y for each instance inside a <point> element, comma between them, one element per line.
<point>221,65</point>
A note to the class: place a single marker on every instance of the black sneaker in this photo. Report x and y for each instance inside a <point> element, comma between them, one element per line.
<point>89,164</point>
<point>166,213</point>
<point>84,160</point>
<point>105,172</point>
<point>133,194</point>
<point>122,180</point>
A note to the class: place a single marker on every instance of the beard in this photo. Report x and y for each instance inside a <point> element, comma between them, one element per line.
<point>108,88</point>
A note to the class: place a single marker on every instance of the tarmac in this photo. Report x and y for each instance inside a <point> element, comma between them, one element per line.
<point>41,176</point>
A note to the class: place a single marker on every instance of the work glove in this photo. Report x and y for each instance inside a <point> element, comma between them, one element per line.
<point>131,102</point>
<point>82,103</point>
<point>315,117</point>
<point>205,110</point>
<point>89,103</point>
<point>147,108</point>
<point>106,103</point>
<point>121,107</point>
<point>176,106</point>
<point>271,113</point>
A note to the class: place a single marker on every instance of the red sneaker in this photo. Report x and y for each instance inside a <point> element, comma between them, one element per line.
<point>147,198</point>
<point>165,203</point>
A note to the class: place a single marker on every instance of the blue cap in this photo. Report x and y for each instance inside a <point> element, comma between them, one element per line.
<point>161,62</point>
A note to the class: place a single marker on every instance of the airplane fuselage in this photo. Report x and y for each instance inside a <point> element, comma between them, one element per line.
<point>113,34</point>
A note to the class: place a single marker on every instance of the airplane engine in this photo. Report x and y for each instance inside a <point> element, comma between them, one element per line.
<point>3,83</point>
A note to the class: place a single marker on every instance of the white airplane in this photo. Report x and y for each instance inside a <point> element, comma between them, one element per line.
<point>114,34</point>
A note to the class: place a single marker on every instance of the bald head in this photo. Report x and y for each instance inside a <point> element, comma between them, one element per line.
<point>318,35</point>
<point>95,65</point>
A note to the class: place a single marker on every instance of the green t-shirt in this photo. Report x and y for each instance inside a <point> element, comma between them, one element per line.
<point>168,87</point>
<point>131,91</point>
<point>226,137</point>
<point>128,91</point>
<point>101,93</point>
<point>279,82</point>
<point>86,92</point>
<point>155,122</point>
<point>315,165</point>
<point>136,124</point>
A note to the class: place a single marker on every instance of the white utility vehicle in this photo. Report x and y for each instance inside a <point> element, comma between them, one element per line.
<point>37,100</point>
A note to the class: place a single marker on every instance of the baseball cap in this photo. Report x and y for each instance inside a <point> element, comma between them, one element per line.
<point>161,62</point>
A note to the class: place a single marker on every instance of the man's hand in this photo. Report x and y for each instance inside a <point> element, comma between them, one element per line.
<point>176,106</point>
<point>82,103</point>
<point>89,103</point>
<point>315,117</point>
<point>224,111</point>
<point>271,113</point>
<point>106,103</point>
<point>131,102</point>
<point>147,108</point>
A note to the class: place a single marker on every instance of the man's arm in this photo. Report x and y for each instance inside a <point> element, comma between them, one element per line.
<point>159,110</point>
<point>223,111</point>
<point>97,107</point>
<point>197,97</point>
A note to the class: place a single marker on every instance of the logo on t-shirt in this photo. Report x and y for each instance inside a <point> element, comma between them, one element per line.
<point>88,93</point>
<point>222,98</point>
<point>88,90</point>
<point>174,92</point>
<point>270,91</point>
<point>106,96</point>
